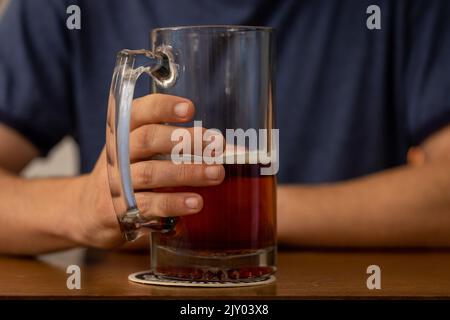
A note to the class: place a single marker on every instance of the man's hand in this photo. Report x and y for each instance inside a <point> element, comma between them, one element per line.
<point>41,215</point>
<point>97,223</point>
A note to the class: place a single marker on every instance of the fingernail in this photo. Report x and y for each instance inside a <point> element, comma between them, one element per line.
<point>192,203</point>
<point>181,109</point>
<point>212,173</point>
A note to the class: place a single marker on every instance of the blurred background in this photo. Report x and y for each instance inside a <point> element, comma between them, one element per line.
<point>62,161</point>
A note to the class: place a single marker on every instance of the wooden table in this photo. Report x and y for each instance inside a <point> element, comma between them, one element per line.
<point>301,275</point>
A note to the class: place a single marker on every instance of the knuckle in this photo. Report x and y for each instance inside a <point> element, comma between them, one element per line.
<point>147,108</point>
<point>143,205</point>
<point>164,205</point>
<point>151,132</point>
<point>139,137</point>
<point>146,174</point>
<point>156,101</point>
<point>183,173</point>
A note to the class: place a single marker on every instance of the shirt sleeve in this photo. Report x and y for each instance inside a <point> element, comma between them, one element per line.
<point>35,97</point>
<point>428,68</point>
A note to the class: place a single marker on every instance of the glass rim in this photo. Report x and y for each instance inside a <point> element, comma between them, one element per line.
<point>216,27</point>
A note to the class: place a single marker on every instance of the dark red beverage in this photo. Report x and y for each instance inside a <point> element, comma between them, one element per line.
<point>233,238</point>
<point>238,215</point>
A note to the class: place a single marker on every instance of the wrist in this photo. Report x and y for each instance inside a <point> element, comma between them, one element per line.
<point>72,226</point>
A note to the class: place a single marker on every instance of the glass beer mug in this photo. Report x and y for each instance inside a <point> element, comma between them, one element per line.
<point>227,72</point>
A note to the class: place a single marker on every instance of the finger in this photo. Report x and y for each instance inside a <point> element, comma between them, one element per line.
<point>214,143</point>
<point>157,174</point>
<point>152,139</point>
<point>152,204</point>
<point>157,108</point>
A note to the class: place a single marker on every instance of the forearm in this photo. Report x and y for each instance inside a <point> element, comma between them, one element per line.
<point>38,215</point>
<point>407,207</point>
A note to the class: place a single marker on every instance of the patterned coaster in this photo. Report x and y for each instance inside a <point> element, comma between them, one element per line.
<point>147,277</point>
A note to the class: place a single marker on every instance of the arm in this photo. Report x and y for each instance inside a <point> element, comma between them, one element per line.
<point>40,215</point>
<point>407,206</point>
<point>29,208</point>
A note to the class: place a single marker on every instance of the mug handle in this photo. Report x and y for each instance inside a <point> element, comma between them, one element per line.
<point>156,64</point>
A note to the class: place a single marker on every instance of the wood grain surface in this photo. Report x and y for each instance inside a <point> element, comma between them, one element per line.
<point>300,275</point>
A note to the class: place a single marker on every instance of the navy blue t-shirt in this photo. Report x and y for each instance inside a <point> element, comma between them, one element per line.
<point>350,101</point>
